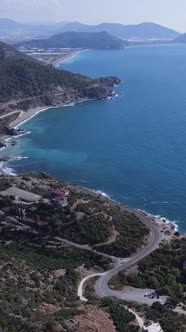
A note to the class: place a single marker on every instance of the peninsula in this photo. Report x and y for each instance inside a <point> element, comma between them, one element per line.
<point>27,84</point>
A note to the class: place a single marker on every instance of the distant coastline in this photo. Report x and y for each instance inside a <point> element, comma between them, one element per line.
<point>56,63</point>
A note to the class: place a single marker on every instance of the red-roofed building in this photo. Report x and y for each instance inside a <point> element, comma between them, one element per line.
<point>61,196</point>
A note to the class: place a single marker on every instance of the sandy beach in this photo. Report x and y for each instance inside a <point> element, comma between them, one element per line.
<point>68,56</point>
<point>25,116</point>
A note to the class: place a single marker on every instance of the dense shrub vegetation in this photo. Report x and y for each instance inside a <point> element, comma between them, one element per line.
<point>24,79</point>
<point>49,259</point>
<point>97,224</point>
<point>24,288</point>
<point>131,234</point>
<point>28,281</point>
<point>121,317</point>
<point>170,321</point>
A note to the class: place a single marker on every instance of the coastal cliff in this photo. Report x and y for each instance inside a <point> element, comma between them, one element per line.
<point>109,81</point>
<point>5,130</point>
<point>57,96</point>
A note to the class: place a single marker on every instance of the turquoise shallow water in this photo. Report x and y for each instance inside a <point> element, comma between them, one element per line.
<point>132,147</point>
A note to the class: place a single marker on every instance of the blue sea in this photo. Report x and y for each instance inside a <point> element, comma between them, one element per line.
<point>132,147</point>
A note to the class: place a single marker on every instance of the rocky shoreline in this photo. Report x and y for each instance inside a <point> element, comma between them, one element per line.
<point>56,98</point>
<point>167,228</point>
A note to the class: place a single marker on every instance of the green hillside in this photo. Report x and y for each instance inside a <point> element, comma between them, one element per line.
<point>24,78</point>
<point>91,40</point>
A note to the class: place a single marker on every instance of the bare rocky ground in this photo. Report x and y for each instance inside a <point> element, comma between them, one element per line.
<point>95,320</point>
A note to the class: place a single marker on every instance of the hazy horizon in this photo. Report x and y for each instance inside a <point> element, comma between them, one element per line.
<point>76,21</point>
<point>86,11</point>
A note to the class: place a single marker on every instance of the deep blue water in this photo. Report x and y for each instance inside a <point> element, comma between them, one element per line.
<point>132,147</point>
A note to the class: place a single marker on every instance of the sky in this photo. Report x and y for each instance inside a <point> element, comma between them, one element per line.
<point>171,13</point>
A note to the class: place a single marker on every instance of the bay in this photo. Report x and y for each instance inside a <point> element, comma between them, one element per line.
<point>132,147</point>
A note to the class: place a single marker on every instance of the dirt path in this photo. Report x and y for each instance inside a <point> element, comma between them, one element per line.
<point>9,114</point>
<point>110,240</point>
<point>81,285</point>
<point>15,101</point>
<point>87,247</point>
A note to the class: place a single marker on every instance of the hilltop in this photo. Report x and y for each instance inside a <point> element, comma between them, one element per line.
<point>72,39</point>
<point>9,53</point>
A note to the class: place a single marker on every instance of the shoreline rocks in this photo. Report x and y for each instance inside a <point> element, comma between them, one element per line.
<point>109,81</point>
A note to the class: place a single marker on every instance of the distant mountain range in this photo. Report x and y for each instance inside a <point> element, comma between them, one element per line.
<point>181,39</point>
<point>14,31</point>
<point>130,32</point>
<point>90,40</point>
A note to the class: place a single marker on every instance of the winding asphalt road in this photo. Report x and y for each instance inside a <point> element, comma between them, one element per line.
<point>102,288</point>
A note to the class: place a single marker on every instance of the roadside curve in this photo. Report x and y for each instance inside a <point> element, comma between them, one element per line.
<point>102,288</point>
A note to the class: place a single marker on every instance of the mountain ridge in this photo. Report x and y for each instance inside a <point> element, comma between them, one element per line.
<point>145,30</point>
<point>9,53</point>
<point>181,39</point>
<point>14,31</point>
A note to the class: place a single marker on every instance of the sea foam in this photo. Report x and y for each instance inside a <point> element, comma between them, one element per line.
<point>102,193</point>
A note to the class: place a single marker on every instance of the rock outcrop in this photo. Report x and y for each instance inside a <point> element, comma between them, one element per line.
<point>109,81</point>
<point>6,131</point>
